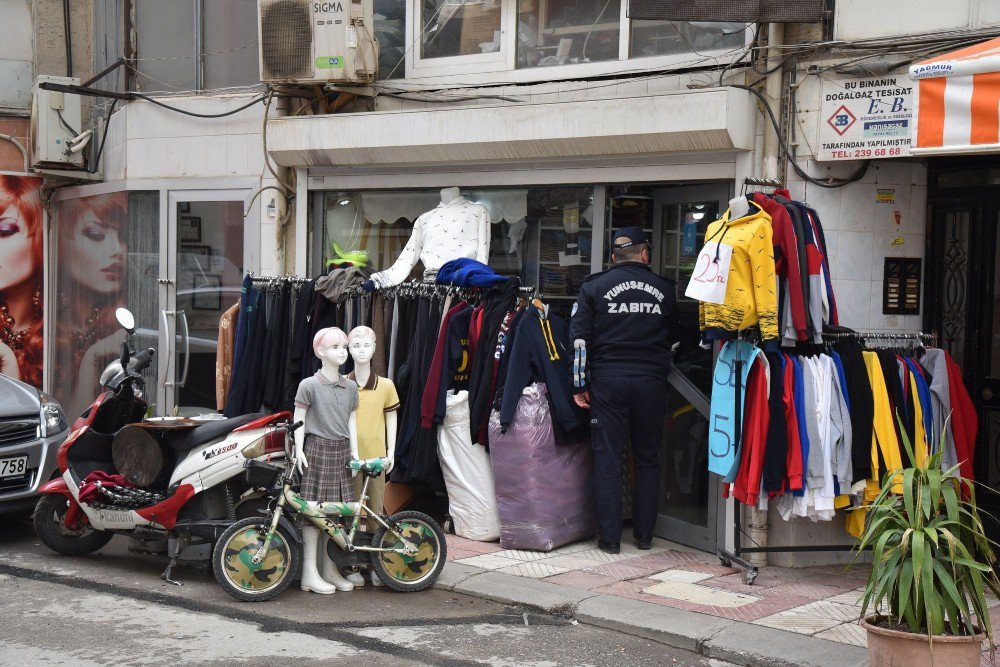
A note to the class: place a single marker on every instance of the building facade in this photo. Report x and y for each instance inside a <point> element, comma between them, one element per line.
<point>562,118</point>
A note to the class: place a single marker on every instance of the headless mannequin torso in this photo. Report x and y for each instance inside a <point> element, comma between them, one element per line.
<point>739,207</point>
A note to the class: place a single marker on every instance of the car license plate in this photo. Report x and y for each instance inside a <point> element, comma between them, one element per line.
<point>14,467</point>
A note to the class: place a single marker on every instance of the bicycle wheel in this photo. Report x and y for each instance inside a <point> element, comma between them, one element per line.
<point>240,576</point>
<point>409,573</point>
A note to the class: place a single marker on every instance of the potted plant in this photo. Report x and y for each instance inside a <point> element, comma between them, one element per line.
<point>931,564</point>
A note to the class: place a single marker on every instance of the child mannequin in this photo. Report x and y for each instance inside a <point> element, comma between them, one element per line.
<point>377,407</point>
<point>327,403</point>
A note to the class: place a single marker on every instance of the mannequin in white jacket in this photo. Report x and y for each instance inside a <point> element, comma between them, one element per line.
<point>456,228</point>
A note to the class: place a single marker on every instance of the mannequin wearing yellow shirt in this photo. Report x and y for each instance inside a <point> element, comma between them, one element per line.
<point>377,405</point>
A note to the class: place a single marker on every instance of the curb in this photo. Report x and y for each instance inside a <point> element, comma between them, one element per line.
<point>710,636</point>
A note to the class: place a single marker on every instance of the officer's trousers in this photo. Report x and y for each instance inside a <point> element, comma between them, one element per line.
<point>627,409</point>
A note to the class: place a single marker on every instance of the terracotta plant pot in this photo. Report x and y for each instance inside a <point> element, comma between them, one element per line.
<point>892,647</point>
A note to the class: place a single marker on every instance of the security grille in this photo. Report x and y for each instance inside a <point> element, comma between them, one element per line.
<point>748,11</point>
<point>285,40</point>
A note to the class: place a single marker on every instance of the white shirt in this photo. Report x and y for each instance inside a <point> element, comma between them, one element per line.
<point>450,231</point>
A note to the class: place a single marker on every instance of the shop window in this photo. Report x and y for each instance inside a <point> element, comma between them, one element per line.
<point>558,32</point>
<point>106,255</point>
<point>461,28</point>
<point>196,44</point>
<point>543,235</point>
<point>665,38</point>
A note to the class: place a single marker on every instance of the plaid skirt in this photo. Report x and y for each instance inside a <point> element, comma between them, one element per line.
<point>326,479</point>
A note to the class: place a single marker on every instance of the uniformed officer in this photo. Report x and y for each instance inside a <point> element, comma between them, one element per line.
<point>623,326</point>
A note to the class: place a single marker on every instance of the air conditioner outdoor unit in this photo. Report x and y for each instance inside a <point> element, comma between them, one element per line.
<point>305,41</point>
<point>53,143</point>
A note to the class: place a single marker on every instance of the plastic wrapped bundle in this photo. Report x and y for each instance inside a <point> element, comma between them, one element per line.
<point>543,489</point>
<point>468,478</point>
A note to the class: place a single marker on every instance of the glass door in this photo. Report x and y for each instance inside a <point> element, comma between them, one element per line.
<point>689,496</point>
<point>205,263</point>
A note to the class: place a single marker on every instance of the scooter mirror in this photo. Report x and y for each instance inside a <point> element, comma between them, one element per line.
<point>125,318</point>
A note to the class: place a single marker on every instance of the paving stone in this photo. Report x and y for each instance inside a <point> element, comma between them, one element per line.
<point>578,579</point>
<point>621,571</point>
<point>679,590</point>
<point>534,569</point>
<point>453,573</point>
<point>794,620</point>
<point>522,555</point>
<point>489,561</point>
<point>849,598</point>
<point>681,575</point>
<point>570,562</point>
<point>512,589</point>
<point>747,644</point>
<point>846,633</point>
<point>832,610</point>
<point>599,556</point>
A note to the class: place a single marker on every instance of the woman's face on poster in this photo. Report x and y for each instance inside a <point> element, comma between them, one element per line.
<point>96,257</point>
<point>17,261</point>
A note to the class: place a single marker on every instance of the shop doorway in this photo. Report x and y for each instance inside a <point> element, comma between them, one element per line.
<point>689,495</point>
<point>963,296</point>
<point>204,236</point>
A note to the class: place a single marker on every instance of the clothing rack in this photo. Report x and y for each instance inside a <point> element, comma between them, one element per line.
<point>420,288</point>
<point>735,557</point>
<point>765,185</point>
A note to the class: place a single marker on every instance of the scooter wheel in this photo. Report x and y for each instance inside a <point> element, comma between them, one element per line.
<point>245,580</point>
<point>50,526</point>
<point>410,572</point>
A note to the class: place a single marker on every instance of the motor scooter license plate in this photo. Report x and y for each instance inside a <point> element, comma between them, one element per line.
<point>14,467</point>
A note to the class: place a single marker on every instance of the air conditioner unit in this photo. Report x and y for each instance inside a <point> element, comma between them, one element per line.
<point>55,122</point>
<point>305,41</point>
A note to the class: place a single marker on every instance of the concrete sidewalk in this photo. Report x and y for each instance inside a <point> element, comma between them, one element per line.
<point>679,597</point>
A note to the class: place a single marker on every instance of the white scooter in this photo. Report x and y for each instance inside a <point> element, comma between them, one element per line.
<point>151,479</point>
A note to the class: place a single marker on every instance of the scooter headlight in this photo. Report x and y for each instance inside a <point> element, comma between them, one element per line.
<point>52,418</point>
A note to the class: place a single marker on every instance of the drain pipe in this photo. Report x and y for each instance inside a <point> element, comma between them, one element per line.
<point>755,519</point>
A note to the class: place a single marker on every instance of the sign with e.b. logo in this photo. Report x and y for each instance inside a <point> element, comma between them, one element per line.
<point>865,118</point>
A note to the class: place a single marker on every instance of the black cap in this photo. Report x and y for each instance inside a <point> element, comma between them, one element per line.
<point>635,236</point>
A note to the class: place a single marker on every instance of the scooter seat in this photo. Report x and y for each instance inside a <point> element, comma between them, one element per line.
<point>184,441</point>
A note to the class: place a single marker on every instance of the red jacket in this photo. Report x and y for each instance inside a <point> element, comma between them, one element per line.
<point>964,423</point>
<point>786,261</point>
<point>793,463</point>
<point>429,400</point>
<point>746,488</point>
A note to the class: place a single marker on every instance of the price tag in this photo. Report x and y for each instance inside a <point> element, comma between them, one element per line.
<point>711,273</point>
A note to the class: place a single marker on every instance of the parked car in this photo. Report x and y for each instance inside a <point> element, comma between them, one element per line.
<point>32,426</point>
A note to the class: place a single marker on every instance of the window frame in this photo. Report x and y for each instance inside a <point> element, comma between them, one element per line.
<point>481,69</point>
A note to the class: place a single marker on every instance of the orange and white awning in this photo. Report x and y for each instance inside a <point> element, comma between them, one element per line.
<point>958,101</point>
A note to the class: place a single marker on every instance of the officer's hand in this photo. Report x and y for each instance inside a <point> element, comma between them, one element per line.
<point>583,400</point>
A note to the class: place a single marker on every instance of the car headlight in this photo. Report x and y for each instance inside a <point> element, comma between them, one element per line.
<point>53,420</point>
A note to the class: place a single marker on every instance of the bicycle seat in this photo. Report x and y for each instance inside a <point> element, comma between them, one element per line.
<point>370,467</point>
<point>185,441</point>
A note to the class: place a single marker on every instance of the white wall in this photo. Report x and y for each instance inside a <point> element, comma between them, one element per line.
<point>146,141</point>
<point>16,70</point>
<point>861,19</point>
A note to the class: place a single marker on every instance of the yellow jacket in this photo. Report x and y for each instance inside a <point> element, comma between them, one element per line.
<point>751,289</point>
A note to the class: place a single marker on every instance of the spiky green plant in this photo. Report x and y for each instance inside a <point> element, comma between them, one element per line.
<point>931,559</point>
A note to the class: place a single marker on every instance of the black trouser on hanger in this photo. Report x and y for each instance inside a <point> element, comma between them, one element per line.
<point>629,408</point>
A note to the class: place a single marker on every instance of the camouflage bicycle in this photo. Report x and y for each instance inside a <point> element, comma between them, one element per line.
<point>256,558</point>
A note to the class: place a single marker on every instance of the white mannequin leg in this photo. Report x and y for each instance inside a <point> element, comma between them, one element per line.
<point>356,579</point>
<point>330,573</point>
<point>374,577</point>
<point>311,579</point>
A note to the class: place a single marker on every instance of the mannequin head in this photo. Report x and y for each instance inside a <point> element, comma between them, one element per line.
<point>449,195</point>
<point>362,344</point>
<point>330,346</point>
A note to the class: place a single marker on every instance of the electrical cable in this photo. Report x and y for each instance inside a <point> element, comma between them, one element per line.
<point>289,190</point>
<point>249,104</point>
<point>830,183</point>
<point>104,137</point>
<point>62,121</point>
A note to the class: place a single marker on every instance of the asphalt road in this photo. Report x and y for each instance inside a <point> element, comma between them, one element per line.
<point>112,608</point>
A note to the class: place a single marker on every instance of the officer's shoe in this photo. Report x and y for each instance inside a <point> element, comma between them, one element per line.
<point>644,543</point>
<point>609,547</point>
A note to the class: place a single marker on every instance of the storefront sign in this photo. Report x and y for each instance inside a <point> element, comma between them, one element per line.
<point>862,119</point>
<point>901,286</point>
